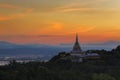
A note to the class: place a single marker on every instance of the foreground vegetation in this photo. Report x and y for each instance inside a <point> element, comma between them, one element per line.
<point>106,68</point>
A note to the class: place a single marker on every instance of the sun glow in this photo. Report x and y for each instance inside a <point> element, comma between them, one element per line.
<point>54,22</point>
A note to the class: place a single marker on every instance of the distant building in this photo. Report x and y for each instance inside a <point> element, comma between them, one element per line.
<point>77,55</point>
<point>92,56</point>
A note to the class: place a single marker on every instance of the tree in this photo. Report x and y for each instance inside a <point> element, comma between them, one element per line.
<point>102,76</point>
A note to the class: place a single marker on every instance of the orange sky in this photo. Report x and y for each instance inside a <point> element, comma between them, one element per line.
<point>57,21</point>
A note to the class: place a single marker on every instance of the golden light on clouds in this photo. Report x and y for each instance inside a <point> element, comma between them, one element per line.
<point>26,20</point>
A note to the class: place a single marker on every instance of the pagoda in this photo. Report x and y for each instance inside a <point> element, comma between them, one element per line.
<point>77,54</point>
<point>76,48</point>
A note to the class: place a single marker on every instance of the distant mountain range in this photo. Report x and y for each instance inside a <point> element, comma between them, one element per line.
<point>29,50</point>
<point>47,51</point>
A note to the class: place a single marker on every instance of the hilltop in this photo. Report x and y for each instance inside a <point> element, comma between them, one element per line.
<point>107,68</point>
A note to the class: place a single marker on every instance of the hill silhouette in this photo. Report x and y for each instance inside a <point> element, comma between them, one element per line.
<point>107,68</point>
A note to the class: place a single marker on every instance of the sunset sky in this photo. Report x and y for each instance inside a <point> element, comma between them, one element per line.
<point>57,21</point>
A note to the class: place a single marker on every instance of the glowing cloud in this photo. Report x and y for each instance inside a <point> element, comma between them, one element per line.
<point>16,15</point>
<point>43,20</point>
<point>8,6</point>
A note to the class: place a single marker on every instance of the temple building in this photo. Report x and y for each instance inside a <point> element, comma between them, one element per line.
<point>76,48</point>
<point>77,55</point>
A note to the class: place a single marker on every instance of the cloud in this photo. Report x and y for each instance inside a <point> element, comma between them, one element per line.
<point>76,9</point>
<point>8,6</point>
<point>114,29</point>
<point>16,15</point>
<point>51,28</point>
<point>30,36</point>
<point>56,6</point>
<point>82,29</point>
<point>2,18</point>
<point>80,6</point>
<point>21,11</point>
<point>46,6</point>
<point>105,43</point>
<point>73,7</point>
<point>86,29</point>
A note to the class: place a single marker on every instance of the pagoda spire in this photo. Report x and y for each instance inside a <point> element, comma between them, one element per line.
<point>76,47</point>
<point>77,38</point>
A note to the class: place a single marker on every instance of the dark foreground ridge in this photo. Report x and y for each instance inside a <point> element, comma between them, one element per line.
<point>106,68</point>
